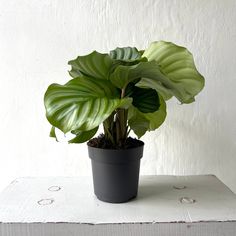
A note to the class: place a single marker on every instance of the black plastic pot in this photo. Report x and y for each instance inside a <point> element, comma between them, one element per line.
<point>116,173</point>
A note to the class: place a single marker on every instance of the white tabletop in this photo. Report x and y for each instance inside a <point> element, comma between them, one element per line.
<point>160,199</point>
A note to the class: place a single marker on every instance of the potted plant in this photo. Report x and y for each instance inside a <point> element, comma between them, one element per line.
<point>124,90</point>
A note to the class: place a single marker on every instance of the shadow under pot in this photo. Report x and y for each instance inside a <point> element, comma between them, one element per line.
<point>116,172</point>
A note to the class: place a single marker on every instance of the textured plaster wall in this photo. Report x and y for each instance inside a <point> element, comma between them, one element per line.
<point>37,38</point>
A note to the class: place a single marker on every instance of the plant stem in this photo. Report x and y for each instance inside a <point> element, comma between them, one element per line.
<point>116,130</point>
<point>122,93</point>
<point>121,123</point>
<point>108,125</point>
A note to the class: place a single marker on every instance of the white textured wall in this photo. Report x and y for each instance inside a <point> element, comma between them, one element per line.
<point>37,38</point>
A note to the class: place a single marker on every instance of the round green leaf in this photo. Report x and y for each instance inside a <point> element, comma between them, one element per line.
<point>125,54</point>
<point>82,103</point>
<point>95,64</point>
<point>141,122</point>
<point>177,64</point>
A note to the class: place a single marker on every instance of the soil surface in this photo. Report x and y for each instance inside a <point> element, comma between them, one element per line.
<point>101,142</point>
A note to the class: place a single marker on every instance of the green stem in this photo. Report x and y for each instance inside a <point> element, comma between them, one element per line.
<point>122,93</point>
<point>121,123</point>
<point>108,128</point>
<point>116,130</point>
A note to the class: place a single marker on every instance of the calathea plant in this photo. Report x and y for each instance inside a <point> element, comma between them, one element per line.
<point>123,90</point>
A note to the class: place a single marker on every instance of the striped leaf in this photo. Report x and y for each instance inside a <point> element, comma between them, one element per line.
<point>152,77</point>
<point>125,54</point>
<point>177,64</point>
<point>81,104</point>
<point>95,64</point>
<point>121,75</point>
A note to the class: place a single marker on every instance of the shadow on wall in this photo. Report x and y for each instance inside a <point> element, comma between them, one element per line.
<point>211,146</point>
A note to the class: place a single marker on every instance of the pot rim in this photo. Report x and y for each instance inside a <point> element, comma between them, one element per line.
<point>120,150</point>
<point>116,156</point>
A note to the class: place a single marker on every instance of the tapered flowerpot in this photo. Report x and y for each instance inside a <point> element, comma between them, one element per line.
<point>116,173</point>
